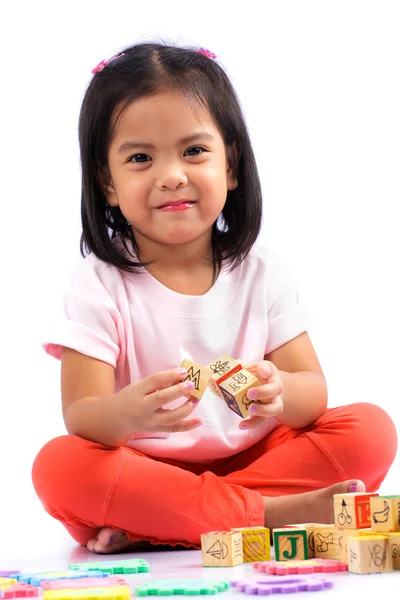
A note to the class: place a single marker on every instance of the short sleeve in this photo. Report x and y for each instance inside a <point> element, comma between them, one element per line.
<point>287,316</point>
<point>88,319</point>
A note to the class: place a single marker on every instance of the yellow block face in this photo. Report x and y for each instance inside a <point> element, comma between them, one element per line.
<point>394,548</point>
<point>256,543</point>
<point>237,386</point>
<point>369,554</point>
<point>328,542</point>
<point>385,513</point>
<point>199,375</point>
<point>222,548</point>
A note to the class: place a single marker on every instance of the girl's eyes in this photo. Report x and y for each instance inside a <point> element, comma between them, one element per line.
<point>138,158</point>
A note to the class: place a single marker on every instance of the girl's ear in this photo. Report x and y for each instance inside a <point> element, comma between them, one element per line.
<point>233,164</point>
<point>107,187</point>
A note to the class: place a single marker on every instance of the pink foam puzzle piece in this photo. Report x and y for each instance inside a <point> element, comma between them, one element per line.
<point>282,585</point>
<point>300,567</point>
<point>87,582</point>
<point>20,590</point>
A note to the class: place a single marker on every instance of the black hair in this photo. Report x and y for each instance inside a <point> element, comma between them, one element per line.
<point>147,69</point>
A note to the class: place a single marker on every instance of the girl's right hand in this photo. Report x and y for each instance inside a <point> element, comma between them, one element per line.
<point>143,403</point>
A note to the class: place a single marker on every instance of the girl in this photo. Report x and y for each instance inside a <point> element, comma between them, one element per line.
<point>171,210</point>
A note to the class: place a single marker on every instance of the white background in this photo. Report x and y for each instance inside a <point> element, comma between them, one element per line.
<point>319,86</point>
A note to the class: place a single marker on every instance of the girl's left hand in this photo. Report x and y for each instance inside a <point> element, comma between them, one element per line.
<point>267,397</point>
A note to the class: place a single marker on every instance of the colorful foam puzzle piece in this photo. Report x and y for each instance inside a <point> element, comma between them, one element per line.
<point>282,585</point>
<point>7,581</point>
<point>290,544</point>
<point>256,543</point>
<point>83,582</point>
<point>352,510</point>
<point>20,590</point>
<point>37,578</point>
<point>114,567</point>
<point>9,572</point>
<point>119,592</point>
<point>300,567</point>
<point>189,587</point>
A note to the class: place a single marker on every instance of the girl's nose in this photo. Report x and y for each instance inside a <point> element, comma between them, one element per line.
<point>171,179</point>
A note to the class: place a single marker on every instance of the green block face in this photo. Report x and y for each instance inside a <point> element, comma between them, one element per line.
<point>294,541</point>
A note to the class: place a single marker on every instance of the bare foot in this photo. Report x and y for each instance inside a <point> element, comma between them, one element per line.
<point>109,541</point>
<point>309,507</point>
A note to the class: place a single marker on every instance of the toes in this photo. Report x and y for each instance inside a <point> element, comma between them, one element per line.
<point>108,536</point>
<point>91,544</point>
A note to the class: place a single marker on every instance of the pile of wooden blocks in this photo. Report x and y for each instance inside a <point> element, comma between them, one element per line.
<point>365,536</point>
<point>226,378</point>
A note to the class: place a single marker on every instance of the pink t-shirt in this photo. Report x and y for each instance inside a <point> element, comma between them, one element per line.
<point>140,327</point>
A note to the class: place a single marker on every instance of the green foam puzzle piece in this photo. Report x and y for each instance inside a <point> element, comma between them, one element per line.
<point>114,567</point>
<point>186,587</point>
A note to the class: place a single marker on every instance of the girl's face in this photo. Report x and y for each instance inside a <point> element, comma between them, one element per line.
<point>168,170</point>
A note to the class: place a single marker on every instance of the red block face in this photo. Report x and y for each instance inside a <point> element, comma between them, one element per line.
<point>363,511</point>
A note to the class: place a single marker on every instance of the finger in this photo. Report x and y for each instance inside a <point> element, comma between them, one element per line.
<point>266,368</point>
<point>168,417</point>
<point>248,365</point>
<point>266,391</point>
<point>160,380</point>
<point>251,423</point>
<point>164,396</point>
<point>272,409</point>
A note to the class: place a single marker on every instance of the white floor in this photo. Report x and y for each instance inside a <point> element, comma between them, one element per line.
<point>36,542</point>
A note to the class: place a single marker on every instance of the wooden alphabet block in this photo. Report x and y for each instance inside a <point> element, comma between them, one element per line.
<point>200,376</point>
<point>309,527</point>
<point>352,511</point>
<point>369,554</point>
<point>220,367</point>
<point>394,548</point>
<point>256,543</point>
<point>385,513</point>
<point>234,390</point>
<point>290,544</point>
<point>343,536</point>
<point>327,542</point>
<point>222,548</point>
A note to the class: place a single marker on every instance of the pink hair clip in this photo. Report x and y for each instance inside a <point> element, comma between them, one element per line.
<point>104,63</point>
<point>207,53</point>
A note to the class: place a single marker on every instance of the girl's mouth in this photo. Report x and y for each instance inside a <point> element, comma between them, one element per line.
<point>177,206</point>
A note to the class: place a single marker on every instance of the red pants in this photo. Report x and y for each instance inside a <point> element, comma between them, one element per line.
<point>86,485</point>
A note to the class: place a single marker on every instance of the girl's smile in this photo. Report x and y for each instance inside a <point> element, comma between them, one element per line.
<point>177,206</point>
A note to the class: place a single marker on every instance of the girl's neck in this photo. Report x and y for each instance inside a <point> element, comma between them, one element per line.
<point>186,270</point>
